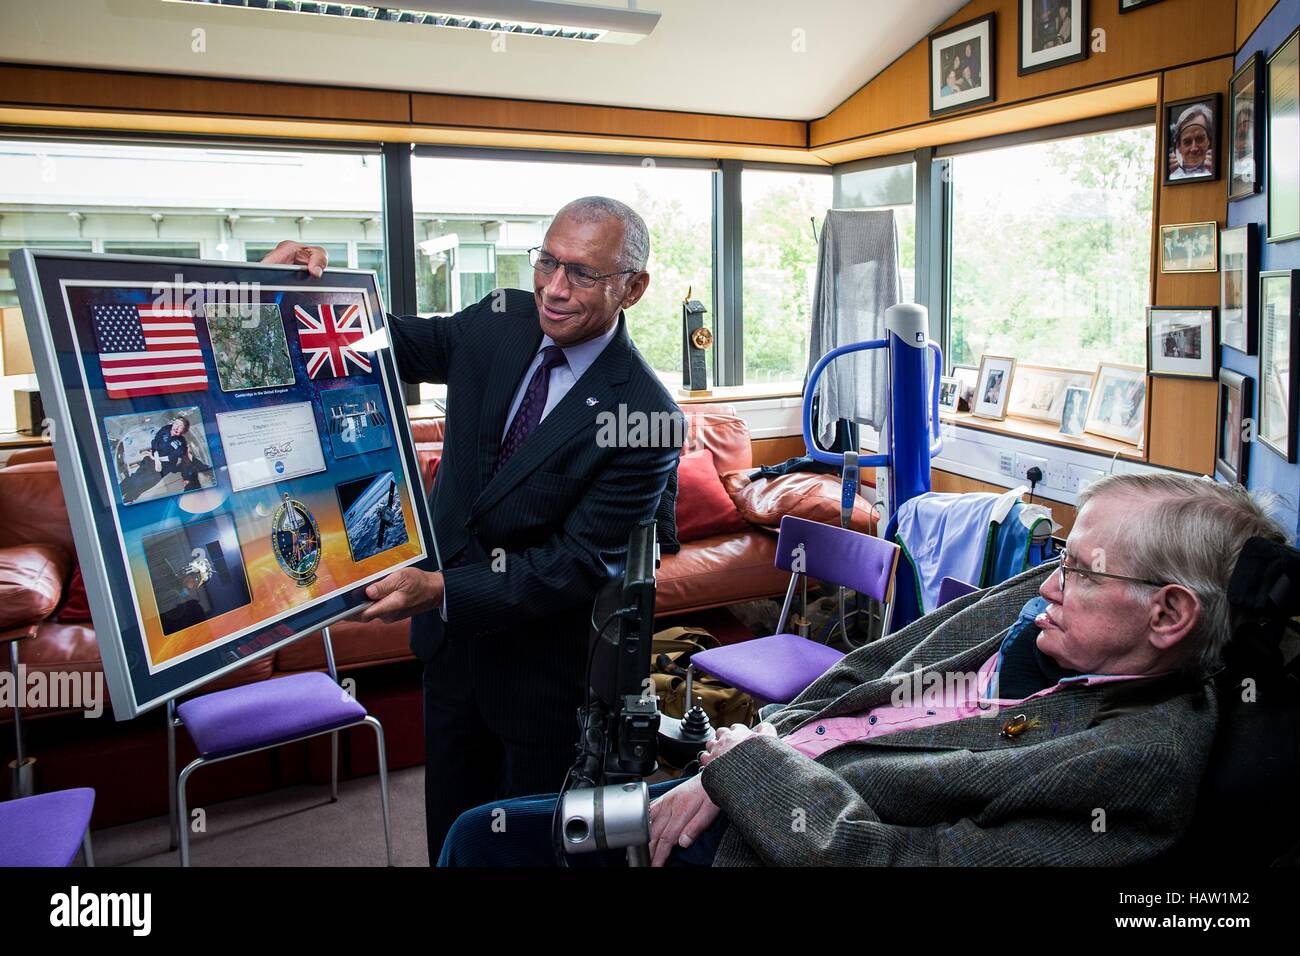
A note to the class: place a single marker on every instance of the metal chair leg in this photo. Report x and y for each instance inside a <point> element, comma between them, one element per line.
<point>183,810</point>
<point>334,767</point>
<point>87,852</point>
<point>174,829</point>
<point>383,785</point>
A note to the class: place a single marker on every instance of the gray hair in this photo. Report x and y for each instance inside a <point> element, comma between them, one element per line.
<point>1191,533</point>
<point>636,238</point>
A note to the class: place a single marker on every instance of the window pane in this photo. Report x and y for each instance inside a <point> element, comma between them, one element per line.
<point>889,187</point>
<point>1051,250</point>
<point>780,267</point>
<point>211,202</point>
<point>476,219</point>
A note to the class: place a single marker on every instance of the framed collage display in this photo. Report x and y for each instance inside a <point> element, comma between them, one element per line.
<point>234,452</point>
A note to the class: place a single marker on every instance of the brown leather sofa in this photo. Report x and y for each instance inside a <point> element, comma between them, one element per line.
<point>712,572</point>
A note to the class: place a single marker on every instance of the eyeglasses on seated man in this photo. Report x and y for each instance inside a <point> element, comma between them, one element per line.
<point>1064,717</point>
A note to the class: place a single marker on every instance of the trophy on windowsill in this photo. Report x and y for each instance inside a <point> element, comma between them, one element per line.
<point>697,339</point>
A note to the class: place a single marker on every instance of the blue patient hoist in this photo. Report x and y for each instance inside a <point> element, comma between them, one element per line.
<point>910,437</point>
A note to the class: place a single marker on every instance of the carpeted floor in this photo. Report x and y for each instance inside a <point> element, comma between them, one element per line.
<point>293,826</point>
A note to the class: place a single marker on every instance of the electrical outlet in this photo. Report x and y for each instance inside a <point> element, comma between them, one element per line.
<point>1057,475</point>
<point>1025,462</point>
<point>1081,477</point>
<point>1007,465</point>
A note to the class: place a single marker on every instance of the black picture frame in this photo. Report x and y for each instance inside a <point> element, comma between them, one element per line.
<point>1248,342</point>
<point>1163,367</point>
<point>1172,112</point>
<point>989,38</point>
<point>1079,10</point>
<point>1251,71</point>
<point>1283,158</point>
<point>1243,388</point>
<point>1290,404</point>
<point>1132,5</point>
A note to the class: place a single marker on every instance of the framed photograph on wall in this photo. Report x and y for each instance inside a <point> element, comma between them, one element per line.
<point>1118,404</point>
<point>202,472</point>
<point>1191,137</point>
<point>1232,455</point>
<point>961,66</point>
<point>1238,303</point>
<point>1284,142</point>
<point>1246,129</point>
<point>1181,343</point>
<point>1038,391</point>
<point>1190,247</point>
<point>1074,410</point>
<point>1128,6</point>
<point>1279,356</point>
<point>949,394</point>
<point>993,390</point>
<point>1052,33</point>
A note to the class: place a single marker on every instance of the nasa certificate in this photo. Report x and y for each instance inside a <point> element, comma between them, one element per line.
<point>266,445</point>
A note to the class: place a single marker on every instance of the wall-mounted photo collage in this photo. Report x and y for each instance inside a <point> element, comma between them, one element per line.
<point>251,441</point>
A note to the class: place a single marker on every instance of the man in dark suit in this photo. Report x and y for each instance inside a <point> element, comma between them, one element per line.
<point>533,504</point>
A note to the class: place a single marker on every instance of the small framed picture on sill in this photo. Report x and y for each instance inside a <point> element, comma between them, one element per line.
<point>1182,343</point>
<point>1118,405</point>
<point>968,377</point>
<point>993,390</point>
<point>1074,413</point>
<point>949,394</point>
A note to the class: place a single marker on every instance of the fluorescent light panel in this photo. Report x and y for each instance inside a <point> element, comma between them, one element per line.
<point>549,18</point>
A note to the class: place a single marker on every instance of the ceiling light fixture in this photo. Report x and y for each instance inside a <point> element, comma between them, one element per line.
<point>548,18</point>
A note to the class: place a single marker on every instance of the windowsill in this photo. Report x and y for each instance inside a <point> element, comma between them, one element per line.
<point>1046,433</point>
<point>19,440</point>
<point>740,393</point>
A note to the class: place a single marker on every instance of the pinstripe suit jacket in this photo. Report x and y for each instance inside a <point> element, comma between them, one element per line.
<point>561,509</point>
<point>1108,776</point>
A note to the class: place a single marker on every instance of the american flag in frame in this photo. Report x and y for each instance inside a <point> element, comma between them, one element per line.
<point>148,350</point>
<point>328,341</point>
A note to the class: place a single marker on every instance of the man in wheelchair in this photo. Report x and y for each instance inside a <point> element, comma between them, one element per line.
<point>1077,735</point>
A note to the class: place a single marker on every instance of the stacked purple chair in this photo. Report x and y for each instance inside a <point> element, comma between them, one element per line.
<point>776,669</point>
<point>47,829</point>
<point>252,717</point>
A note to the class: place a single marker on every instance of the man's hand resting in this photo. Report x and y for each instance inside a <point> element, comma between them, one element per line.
<point>290,253</point>
<point>728,737</point>
<point>402,594</point>
<point>678,818</point>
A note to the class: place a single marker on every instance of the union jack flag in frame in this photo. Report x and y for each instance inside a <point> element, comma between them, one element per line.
<point>328,341</point>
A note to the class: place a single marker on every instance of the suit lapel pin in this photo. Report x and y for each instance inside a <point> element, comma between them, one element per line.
<point>1013,728</point>
<point>591,401</point>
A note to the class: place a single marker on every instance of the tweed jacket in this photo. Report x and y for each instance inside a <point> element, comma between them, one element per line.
<point>1107,776</point>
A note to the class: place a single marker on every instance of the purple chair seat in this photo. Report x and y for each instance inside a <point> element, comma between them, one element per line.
<point>267,712</point>
<point>44,830</point>
<point>774,669</point>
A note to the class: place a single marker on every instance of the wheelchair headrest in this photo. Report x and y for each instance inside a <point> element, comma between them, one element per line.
<point>1264,593</point>
<point>1265,584</point>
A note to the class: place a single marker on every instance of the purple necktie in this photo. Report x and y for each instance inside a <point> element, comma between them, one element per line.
<point>530,409</point>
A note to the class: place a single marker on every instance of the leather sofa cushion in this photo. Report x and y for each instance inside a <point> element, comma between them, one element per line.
<point>719,429</point>
<point>31,583</point>
<point>76,606</point>
<point>703,506</point>
<point>355,644</point>
<point>719,570</point>
<point>32,510</point>
<point>803,494</point>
